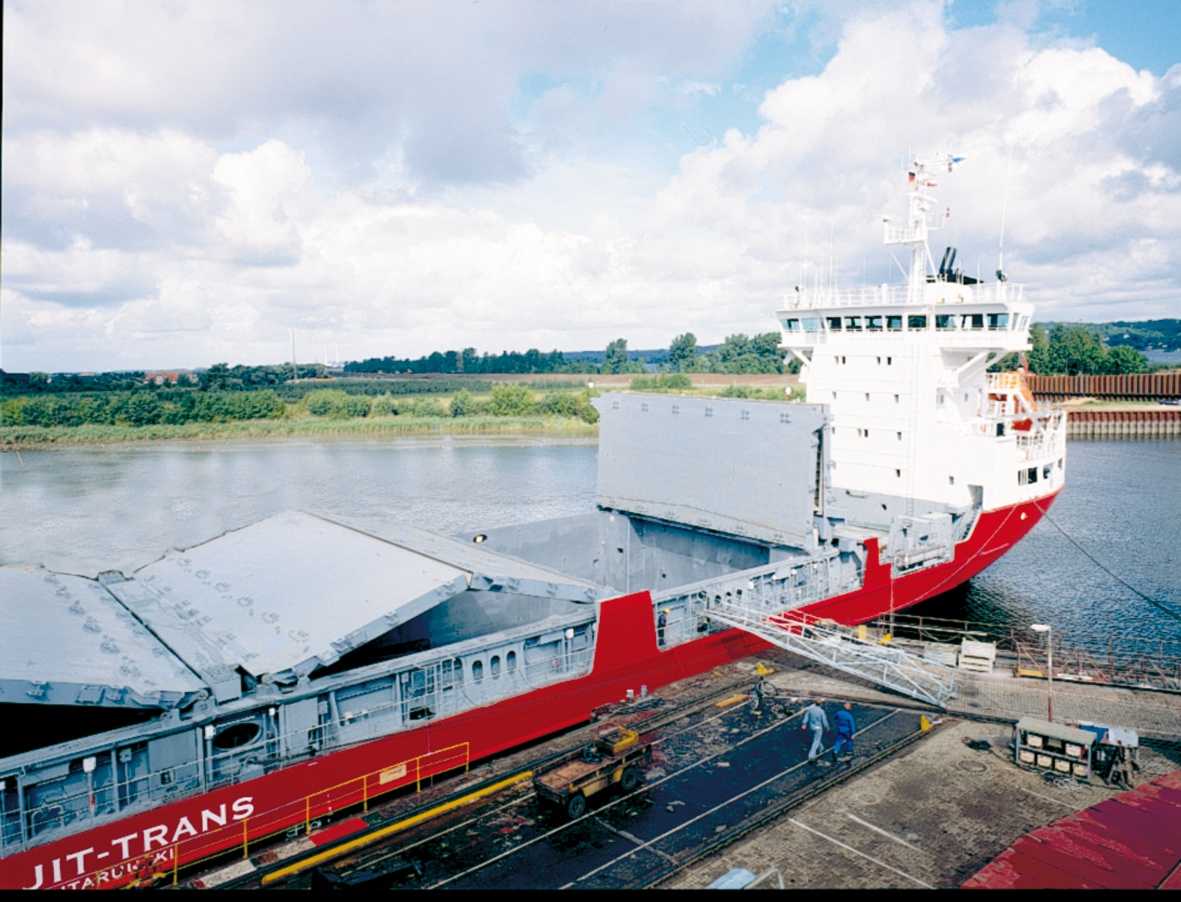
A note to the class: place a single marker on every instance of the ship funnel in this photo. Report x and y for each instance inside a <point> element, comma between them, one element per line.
<point>947,267</point>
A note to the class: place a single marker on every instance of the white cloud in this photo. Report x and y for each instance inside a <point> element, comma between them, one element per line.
<point>264,188</point>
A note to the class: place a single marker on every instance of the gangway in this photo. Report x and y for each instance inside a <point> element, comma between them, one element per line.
<point>844,649</point>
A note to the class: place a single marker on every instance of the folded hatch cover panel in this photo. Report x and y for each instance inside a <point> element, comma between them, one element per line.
<point>282,596</point>
<point>66,641</point>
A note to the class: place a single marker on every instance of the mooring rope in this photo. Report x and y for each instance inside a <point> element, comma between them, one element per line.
<point>1152,601</point>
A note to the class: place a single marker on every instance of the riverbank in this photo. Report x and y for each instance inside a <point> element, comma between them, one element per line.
<point>16,438</point>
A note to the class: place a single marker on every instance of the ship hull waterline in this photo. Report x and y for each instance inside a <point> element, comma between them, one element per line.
<point>148,845</point>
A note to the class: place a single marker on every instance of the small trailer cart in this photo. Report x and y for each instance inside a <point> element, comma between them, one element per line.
<point>614,757</point>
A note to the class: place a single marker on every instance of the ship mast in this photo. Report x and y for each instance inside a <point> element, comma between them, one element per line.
<point>919,222</point>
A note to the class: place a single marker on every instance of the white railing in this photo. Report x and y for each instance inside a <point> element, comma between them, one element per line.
<point>936,295</point>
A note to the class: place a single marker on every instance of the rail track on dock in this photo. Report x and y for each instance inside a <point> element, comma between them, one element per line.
<point>719,771</point>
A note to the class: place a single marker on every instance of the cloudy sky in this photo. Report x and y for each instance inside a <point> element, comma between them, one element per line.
<point>188,181</point>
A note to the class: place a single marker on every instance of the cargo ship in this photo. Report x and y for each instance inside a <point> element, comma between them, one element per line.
<point>264,682</point>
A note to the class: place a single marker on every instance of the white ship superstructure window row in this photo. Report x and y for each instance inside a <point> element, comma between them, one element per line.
<point>940,322</point>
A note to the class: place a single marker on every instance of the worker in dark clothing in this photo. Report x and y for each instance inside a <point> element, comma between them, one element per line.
<point>846,730</point>
<point>661,623</point>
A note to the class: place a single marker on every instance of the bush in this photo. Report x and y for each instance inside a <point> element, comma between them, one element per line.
<point>383,406</point>
<point>424,407</point>
<point>662,382</point>
<point>463,404</point>
<point>336,404</point>
<point>510,401</point>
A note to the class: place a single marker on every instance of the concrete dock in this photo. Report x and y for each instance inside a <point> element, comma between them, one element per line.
<point>937,812</point>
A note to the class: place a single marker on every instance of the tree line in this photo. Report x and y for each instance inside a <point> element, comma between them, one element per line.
<point>1078,350</point>
<point>144,407</point>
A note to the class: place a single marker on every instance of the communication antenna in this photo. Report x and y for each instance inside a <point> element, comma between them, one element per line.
<point>1000,264</point>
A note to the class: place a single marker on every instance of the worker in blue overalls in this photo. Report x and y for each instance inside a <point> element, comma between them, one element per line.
<point>846,730</point>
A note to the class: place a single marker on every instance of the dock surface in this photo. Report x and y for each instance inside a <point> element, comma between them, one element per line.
<point>731,790</point>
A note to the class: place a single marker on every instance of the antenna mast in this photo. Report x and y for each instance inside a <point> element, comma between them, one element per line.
<point>1000,263</point>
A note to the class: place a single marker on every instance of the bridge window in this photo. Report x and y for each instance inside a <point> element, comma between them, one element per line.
<point>873,323</point>
<point>894,323</point>
<point>834,323</point>
<point>972,321</point>
<point>791,325</point>
<point>944,321</point>
<point>853,322</point>
<point>998,321</point>
<point>811,324</point>
<point>916,322</point>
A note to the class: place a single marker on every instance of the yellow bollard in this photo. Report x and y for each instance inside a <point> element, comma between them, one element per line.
<point>764,670</point>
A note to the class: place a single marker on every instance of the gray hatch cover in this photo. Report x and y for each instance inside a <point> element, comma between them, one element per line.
<point>66,641</point>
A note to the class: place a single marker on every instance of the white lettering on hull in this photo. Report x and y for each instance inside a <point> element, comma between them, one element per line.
<point>136,851</point>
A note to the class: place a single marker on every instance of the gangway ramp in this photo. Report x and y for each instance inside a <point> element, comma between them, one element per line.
<point>843,648</point>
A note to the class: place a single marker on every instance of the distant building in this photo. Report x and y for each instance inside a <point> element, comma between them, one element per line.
<point>169,378</point>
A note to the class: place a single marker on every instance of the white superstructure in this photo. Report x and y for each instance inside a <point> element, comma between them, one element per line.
<point>917,421</point>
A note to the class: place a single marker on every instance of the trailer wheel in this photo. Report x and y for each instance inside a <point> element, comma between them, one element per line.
<point>576,807</point>
<point>630,779</point>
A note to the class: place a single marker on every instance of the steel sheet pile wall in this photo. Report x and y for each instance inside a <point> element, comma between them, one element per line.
<point>1128,386</point>
<point>745,468</point>
<point>1123,424</point>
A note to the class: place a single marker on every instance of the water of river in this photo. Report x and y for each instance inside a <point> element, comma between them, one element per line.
<point>83,510</point>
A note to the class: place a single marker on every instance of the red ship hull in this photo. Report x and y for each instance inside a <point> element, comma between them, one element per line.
<point>147,845</point>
